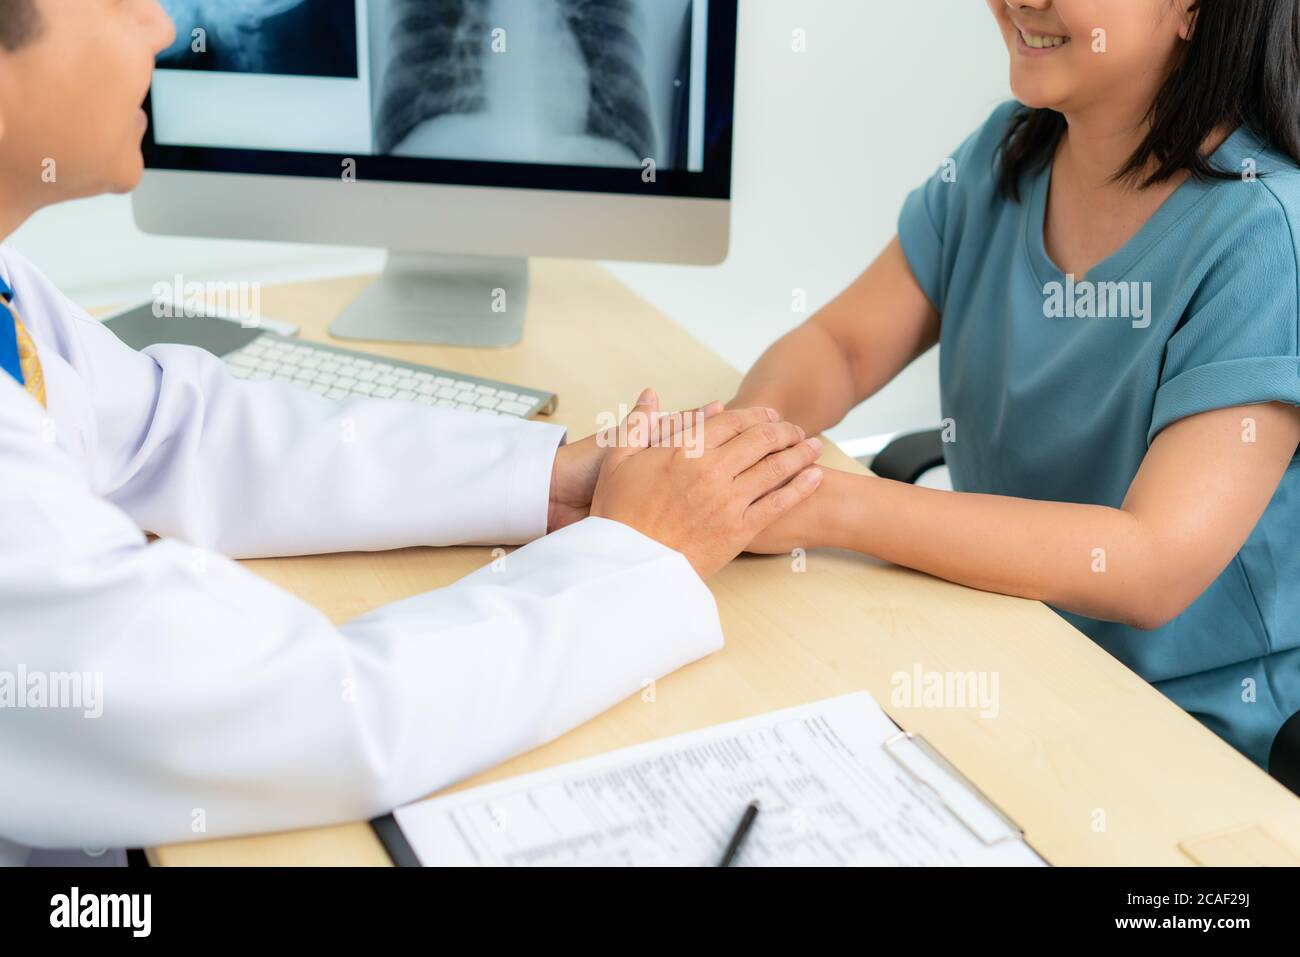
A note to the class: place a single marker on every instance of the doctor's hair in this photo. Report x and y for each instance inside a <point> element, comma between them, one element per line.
<point>1241,66</point>
<point>19,22</point>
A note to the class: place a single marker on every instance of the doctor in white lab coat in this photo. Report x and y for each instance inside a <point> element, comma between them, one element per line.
<point>211,702</point>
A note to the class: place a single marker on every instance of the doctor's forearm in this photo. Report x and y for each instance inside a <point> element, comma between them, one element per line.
<point>1090,560</point>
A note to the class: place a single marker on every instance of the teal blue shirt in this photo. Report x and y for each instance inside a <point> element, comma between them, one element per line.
<point>1056,388</point>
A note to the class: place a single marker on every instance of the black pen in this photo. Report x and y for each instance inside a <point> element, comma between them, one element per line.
<point>742,831</point>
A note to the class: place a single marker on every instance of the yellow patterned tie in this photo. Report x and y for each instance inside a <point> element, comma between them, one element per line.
<point>33,376</point>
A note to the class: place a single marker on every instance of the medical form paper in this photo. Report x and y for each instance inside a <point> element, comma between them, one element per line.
<point>831,793</point>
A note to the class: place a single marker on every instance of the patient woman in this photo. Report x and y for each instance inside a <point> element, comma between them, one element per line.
<point>1109,267</point>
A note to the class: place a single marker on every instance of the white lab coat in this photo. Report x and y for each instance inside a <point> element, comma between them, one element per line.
<point>229,706</point>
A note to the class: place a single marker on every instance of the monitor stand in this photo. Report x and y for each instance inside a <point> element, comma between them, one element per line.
<point>443,300</point>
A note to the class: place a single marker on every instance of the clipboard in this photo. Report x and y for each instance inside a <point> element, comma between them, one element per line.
<point>921,765</point>
<point>977,824</point>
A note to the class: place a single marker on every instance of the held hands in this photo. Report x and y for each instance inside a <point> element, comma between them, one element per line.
<point>577,468</point>
<point>798,528</point>
<point>706,499</point>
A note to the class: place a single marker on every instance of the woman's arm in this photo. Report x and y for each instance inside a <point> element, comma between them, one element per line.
<point>849,350</point>
<point>1198,494</point>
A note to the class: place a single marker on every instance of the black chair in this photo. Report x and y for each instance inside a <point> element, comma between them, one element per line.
<point>909,456</point>
<point>1284,756</point>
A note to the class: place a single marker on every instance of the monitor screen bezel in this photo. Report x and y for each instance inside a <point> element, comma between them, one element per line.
<point>714,182</point>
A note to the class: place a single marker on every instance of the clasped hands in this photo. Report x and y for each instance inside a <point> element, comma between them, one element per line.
<point>709,483</point>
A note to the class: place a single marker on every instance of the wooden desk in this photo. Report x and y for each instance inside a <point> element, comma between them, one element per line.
<point>1097,766</point>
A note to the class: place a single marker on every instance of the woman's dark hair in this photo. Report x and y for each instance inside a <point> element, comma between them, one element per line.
<point>1240,67</point>
<point>18,22</point>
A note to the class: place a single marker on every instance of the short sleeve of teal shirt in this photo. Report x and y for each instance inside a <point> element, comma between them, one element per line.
<point>1210,320</point>
<point>1239,343</point>
<point>935,215</point>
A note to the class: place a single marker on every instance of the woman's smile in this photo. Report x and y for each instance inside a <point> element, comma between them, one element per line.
<point>1038,44</point>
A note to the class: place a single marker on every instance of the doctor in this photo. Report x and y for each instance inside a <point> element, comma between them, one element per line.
<point>152,693</point>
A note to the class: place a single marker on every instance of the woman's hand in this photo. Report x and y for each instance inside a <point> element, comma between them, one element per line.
<point>573,480</point>
<point>804,525</point>
<point>577,467</point>
<point>709,499</point>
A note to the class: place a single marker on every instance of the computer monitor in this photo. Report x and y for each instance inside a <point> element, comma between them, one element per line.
<point>463,136</point>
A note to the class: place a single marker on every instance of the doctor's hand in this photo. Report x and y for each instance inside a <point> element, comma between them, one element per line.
<point>708,493</point>
<point>577,465</point>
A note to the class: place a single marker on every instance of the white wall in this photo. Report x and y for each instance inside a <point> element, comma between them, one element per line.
<point>828,143</point>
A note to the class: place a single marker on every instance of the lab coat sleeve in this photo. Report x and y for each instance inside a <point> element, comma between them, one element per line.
<point>226,706</point>
<point>257,469</point>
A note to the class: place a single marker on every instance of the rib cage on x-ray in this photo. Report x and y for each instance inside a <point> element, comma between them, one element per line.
<point>439,49</point>
<point>436,65</point>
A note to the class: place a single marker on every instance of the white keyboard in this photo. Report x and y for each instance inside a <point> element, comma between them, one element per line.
<point>340,374</point>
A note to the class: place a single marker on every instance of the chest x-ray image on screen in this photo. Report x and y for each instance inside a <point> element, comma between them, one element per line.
<point>462,135</point>
<point>603,82</point>
<point>595,82</point>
